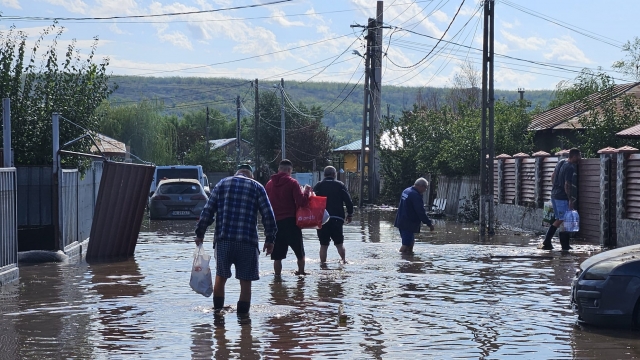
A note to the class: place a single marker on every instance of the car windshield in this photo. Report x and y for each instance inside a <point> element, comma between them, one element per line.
<point>178,173</point>
<point>179,189</point>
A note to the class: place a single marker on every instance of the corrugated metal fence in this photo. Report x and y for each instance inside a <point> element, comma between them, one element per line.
<point>456,190</point>
<point>8,226</point>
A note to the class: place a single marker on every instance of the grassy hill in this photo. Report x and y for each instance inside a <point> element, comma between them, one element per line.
<point>182,94</point>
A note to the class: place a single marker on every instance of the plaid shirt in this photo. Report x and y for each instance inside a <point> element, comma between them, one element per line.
<point>236,200</point>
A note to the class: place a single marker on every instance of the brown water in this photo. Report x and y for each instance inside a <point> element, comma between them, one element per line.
<point>457,297</point>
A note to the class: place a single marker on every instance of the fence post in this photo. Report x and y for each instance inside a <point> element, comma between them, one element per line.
<point>500,184</point>
<point>540,155</point>
<point>7,151</point>
<point>621,183</point>
<point>519,157</point>
<point>605,196</point>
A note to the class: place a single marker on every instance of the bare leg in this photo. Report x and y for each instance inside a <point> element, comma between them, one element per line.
<point>218,287</point>
<point>245,290</point>
<point>277,266</point>
<point>323,253</point>
<point>301,266</point>
<point>342,252</point>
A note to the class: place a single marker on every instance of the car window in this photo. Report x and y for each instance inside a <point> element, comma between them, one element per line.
<point>179,189</point>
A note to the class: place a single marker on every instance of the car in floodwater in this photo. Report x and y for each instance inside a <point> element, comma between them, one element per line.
<point>177,199</point>
<point>606,289</point>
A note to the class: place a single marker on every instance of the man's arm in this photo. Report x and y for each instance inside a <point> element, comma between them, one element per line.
<point>418,206</point>
<point>568,184</point>
<point>268,220</point>
<point>207,216</point>
<point>346,199</point>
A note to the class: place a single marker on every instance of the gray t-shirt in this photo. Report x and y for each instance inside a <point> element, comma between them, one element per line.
<point>564,173</point>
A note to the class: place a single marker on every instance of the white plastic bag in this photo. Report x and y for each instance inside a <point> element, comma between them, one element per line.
<point>201,273</point>
<point>572,221</point>
<point>325,217</point>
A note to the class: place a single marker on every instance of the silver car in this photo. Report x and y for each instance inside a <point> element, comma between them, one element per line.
<point>606,289</point>
<point>177,199</point>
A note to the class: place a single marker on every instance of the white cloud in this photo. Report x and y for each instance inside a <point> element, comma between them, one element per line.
<point>115,7</point>
<point>115,29</point>
<point>509,79</point>
<point>76,6</point>
<point>468,11</point>
<point>279,17</point>
<point>175,38</point>
<point>565,49</point>
<point>509,25</point>
<point>440,16</point>
<point>14,4</point>
<point>530,43</point>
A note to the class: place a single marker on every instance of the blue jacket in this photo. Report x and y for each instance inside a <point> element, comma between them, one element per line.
<point>411,211</point>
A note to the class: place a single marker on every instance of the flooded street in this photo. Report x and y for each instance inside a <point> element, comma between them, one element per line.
<point>457,296</point>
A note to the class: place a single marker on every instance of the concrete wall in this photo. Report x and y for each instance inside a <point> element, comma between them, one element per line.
<point>523,217</point>
<point>628,232</point>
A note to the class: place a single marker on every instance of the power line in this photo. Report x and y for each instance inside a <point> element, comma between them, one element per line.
<point>13,17</point>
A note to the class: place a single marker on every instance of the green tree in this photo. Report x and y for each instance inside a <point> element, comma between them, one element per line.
<point>73,86</point>
<point>631,64</point>
<point>586,83</point>
<point>215,160</point>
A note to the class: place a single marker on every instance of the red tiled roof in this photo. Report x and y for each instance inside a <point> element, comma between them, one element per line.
<point>571,112</point>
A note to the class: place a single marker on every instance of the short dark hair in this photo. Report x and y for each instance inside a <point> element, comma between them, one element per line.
<point>286,162</point>
<point>574,152</point>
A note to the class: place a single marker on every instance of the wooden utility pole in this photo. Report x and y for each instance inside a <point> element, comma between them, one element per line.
<point>283,147</point>
<point>238,130</point>
<point>487,152</point>
<point>256,124</point>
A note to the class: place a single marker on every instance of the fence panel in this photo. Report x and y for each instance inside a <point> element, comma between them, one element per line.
<point>456,190</point>
<point>509,181</point>
<point>527,181</point>
<point>68,207</point>
<point>589,199</point>
<point>87,195</point>
<point>633,188</point>
<point>548,165</point>
<point>35,194</point>
<point>496,179</point>
<point>8,225</point>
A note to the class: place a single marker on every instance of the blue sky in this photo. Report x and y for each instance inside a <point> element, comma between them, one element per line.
<point>259,42</point>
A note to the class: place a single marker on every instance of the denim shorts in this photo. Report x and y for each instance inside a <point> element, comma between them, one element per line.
<point>560,207</point>
<point>242,254</point>
<point>408,237</point>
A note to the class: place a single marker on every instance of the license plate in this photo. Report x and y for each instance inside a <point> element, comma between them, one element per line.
<point>181,212</point>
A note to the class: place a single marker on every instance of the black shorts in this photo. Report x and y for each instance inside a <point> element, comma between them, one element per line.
<point>288,235</point>
<point>332,230</point>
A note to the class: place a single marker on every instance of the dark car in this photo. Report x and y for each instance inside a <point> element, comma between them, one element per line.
<point>177,199</point>
<point>606,290</point>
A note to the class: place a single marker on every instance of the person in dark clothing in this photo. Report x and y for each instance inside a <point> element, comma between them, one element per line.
<point>561,199</point>
<point>337,197</point>
<point>286,197</point>
<point>411,213</point>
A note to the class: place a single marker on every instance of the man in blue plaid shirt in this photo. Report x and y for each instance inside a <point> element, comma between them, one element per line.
<point>236,201</point>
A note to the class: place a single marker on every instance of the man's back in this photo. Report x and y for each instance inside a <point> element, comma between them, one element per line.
<point>337,196</point>
<point>285,195</point>
<point>564,173</point>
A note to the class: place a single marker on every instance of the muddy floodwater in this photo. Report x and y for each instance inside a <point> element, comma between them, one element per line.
<point>456,297</point>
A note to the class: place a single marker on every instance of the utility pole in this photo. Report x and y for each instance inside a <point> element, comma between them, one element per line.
<point>238,130</point>
<point>371,111</point>
<point>283,147</point>
<point>206,135</point>
<point>487,153</point>
<point>256,124</point>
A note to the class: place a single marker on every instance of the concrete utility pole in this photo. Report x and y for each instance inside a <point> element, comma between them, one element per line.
<point>282,120</point>
<point>256,125</point>
<point>487,153</point>
<point>371,112</point>
<point>7,151</point>
<point>238,130</point>
<point>206,135</point>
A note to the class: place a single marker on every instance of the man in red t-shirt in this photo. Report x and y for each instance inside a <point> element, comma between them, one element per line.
<point>286,196</point>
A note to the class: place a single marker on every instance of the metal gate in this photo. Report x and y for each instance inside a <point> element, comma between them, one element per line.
<point>589,199</point>
<point>8,226</point>
<point>68,208</point>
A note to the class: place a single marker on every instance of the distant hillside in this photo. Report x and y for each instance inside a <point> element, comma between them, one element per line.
<point>180,95</point>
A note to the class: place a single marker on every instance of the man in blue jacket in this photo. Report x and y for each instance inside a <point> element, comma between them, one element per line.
<point>411,213</point>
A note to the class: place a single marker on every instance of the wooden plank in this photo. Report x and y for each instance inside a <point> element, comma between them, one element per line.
<point>634,216</point>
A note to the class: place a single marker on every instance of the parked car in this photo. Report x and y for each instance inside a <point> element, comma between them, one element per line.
<point>606,290</point>
<point>177,199</point>
<point>179,172</point>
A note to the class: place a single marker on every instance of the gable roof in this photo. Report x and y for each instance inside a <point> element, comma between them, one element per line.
<point>107,145</point>
<point>218,143</point>
<point>632,132</point>
<point>354,146</point>
<point>567,116</point>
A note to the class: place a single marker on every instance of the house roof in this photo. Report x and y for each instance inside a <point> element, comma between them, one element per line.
<point>632,132</point>
<point>108,146</point>
<point>218,143</point>
<point>354,146</point>
<point>567,116</point>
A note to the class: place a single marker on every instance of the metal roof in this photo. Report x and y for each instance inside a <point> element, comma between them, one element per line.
<point>108,146</point>
<point>632,132</point>
<point>218,143</point>
<point>354,146</point>
<point>570,113</point>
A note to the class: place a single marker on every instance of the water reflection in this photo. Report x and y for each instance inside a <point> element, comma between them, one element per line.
<point>202,345</point>
<point>123,322</point>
